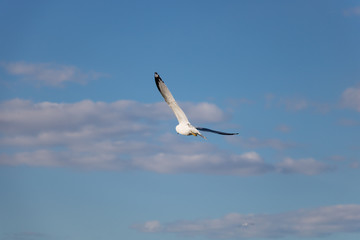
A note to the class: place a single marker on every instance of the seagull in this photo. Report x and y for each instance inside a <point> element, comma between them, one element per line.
<point>184,127</point>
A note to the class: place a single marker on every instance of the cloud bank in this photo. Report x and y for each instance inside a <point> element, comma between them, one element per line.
<point>318,222</point>
<point>125,135</point>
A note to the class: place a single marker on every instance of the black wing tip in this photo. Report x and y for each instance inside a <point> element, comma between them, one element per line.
<point>231,134</point>
<point>157,80</point>
<point>157,76</point>
<point>214,131</point>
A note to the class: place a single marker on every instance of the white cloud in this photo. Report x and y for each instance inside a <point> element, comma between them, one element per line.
<point>36,158</point>
<point>121,135</point>
<point>307,166</point>
<point>49,73</point>
<point>351,98</point>
<point>203,111</point>
<point>205,162</point>
<point>136,155</point>
<point>94,134</point>
<point>150,226</point>
<point>317,222</point>
<point>85,117</point>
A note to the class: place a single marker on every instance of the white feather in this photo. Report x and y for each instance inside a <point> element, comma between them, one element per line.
<point>169,99</point>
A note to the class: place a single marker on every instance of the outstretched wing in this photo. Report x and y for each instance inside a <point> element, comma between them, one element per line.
<point>214,131</point>
<point>169,99</point>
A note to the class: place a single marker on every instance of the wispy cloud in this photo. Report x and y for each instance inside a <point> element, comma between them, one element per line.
<point>355,164</point>
<point>307,166</point>
<point>49,73</point>
<point>348,122</point>
<point>25,236</point>
<point>253,142</point>
<point>290,103</point>
<point>124,135</point>
<point>295,103</point>
<point>283,128</point>
<point>318,222</point>
<point>355,11</point>
<point>350,98</point>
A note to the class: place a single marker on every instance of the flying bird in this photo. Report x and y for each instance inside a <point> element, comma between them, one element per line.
<point>184,127</point>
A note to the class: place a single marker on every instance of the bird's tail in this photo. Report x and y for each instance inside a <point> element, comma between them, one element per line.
<point>202,135</point>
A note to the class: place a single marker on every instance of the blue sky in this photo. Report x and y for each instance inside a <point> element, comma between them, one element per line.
<point>89,148</point>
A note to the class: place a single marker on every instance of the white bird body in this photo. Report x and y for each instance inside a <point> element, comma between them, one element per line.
<point>187,129</point>
<point>184,127</point>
